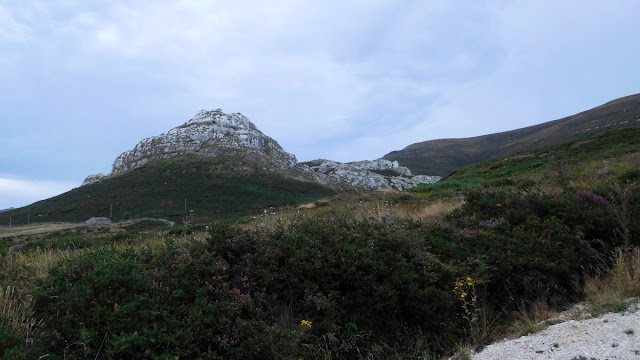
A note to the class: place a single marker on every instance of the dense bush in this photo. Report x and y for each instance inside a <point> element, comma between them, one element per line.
<point>244,294</point>
<point>12,345</point>
<point>147,305</point>
<point>338,285</point>
<point>532,245</point>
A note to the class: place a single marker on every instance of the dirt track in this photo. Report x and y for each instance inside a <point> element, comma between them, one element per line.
<point>36,229</point>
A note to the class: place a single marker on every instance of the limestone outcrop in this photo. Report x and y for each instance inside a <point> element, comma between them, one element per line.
<point>233,138</point>
<point>91,179</point>
<point>365,175</point>
<point>209,133</point>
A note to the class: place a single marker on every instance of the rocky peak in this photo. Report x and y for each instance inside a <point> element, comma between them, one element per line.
<point>217,117</point>
<point>209,133</point>
<point>234,138</point>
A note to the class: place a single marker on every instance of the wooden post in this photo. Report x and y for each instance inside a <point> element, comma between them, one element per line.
<point>111,211</point>
<point>185,205</point>
<point>9,220</point>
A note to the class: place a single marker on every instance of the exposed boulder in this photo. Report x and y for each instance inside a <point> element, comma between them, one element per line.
<point>95,178</point>
<point>365,175</point>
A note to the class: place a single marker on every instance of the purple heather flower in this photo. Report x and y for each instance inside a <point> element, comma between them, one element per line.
<point>595,197</point>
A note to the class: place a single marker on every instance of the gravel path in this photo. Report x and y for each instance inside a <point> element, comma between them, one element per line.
<point>610,336</point>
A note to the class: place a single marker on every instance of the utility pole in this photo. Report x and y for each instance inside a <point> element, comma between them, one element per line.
<point>185,205</point>
<point>111,211</point>
<point>9,220</point>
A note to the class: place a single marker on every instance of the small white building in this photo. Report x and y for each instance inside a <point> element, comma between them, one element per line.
<point>99,221</point>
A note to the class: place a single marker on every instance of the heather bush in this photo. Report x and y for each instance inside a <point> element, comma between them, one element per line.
<point>530,246</point>
<point>342,274</point>
<point>378,274</point>
<point>314,287</point>
<point>150,305</point>
<point>340,286</point>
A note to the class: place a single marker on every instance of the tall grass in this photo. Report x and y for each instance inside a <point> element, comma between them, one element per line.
<point>20,270</point>
<point>435,211</point>
<point>16,312</point>
<point>610,288</point>
<point>28,266</point>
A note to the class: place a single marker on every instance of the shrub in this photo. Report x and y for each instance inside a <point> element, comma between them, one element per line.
<point>341,286</point>
<point>152,305</point>
<point>243,294</point>
<point>528,245</point>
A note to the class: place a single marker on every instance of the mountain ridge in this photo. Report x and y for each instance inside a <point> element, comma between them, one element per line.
<point>443,156</point>
<point>215,134</point>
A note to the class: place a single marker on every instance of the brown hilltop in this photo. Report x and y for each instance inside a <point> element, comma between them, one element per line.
<point>443,156</point>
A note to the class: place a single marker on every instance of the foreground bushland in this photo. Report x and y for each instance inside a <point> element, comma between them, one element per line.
<point>336,286</point>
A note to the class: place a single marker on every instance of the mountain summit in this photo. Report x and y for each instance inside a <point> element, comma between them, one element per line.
<point>237,141</point>
<point>210,134</point>
<point>213,134</point>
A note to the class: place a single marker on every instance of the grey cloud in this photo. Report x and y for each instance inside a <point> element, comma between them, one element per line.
<point>12,29</point>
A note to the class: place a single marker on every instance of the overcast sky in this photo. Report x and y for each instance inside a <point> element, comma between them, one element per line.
<point>83,81</point>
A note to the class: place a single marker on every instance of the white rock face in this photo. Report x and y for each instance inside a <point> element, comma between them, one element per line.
<point>209,133</point>
<point>91,179</point>
<point>366,175</point>
<point>232,136</point>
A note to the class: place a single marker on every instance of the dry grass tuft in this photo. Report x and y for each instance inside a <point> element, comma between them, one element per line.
<point>435,212</point>
<point>531,319</point>
<point>28,266</point>
<point>609,290</point>
<point>16,312</point>
<point>21,269</point>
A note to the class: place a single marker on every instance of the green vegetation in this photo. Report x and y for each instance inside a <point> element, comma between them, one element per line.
<point>443,156</point>
<point>581,164</point>
<point>160,188</point>
<point>355,276</point>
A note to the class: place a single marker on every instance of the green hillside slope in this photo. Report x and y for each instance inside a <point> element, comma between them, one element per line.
<point>443,156</point>
<point>599,160</point>
<point>160,188</point>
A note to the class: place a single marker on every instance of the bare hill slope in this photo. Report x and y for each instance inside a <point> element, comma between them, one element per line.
<point>443,156</point>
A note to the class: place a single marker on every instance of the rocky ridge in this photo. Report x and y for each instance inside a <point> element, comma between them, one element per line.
<point>365,175</point>
<point>233,137</point>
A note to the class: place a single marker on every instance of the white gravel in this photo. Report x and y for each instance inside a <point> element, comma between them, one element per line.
<point>610,336</point>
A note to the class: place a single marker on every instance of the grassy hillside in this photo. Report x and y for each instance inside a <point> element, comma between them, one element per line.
<point>159,189</point>
<point>592,163</point>
<point>441,157</point>
<point>384,275</point>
